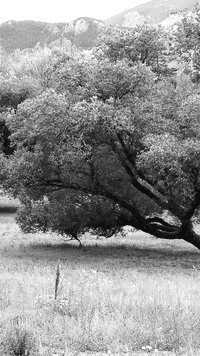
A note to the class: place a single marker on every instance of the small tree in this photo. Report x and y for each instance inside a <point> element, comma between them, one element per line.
<point>187,38</point>
<point>143,43</point>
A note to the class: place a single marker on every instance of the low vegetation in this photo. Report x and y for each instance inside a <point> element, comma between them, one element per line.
<point>126,294</point>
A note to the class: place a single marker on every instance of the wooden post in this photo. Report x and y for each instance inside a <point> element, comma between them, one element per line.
<point>57,279</point>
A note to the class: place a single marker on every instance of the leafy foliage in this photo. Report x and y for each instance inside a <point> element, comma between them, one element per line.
<point>144,43</point>
<point>60,139</point>
<point>13,91</point>
<point>186,41</point>
<point>102,144</point>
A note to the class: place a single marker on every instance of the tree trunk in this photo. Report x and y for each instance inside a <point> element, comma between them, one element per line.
<point>159,228</point>
<point>188,234</point>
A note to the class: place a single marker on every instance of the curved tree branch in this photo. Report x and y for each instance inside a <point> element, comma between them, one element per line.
<point>154,226</point>
<point>142,186</point>
<point>159,220</point>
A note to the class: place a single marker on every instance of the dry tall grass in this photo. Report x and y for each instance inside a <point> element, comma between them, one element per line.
<point>132,294</point>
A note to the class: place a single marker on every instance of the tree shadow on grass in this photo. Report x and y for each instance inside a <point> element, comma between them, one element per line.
<point>120,256</point>
<point>8,210</point>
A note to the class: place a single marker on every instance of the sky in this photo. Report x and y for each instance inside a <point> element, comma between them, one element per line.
<point>63,10</point>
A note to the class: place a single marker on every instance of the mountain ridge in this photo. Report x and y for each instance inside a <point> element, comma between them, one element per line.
<point>154,11</point>
<point>83,31</point>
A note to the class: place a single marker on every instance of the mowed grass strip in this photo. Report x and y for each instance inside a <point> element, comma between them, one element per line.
<point>128,294</point>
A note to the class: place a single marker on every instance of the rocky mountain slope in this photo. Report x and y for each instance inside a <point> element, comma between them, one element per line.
<point>154,12</point>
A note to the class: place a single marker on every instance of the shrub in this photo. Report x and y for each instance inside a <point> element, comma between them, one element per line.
<point>19,342</point>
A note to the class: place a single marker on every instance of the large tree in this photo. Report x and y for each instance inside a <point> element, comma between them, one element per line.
<point>100,162</point>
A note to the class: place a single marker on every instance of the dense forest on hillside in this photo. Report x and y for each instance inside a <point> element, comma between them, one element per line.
<point>97,140</point>
<point>27,34</point>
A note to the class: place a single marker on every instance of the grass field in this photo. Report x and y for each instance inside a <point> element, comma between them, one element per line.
<point>125,295</point>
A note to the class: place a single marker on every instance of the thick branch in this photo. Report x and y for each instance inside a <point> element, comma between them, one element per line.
<point>155,226</point>
<point>159,220</point>
<point>194,206</point>
<point>99,190</point>
<point>165,228</point>
<point>144,187</point>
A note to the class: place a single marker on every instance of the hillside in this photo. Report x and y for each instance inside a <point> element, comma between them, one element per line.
<point>154,12</point>
<point>84,31</point>
<point>26,34</point>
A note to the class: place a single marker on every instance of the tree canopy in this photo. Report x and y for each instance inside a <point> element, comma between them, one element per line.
<point>143,43</point>
<point>104,144</point>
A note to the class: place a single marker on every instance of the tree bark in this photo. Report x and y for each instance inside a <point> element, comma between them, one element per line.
<point>193,238</point>
<point>159,228</point>
<point>188,234</point>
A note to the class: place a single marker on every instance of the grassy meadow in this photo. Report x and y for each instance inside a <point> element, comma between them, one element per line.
<point>130,295</point>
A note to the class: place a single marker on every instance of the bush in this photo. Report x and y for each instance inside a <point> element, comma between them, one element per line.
<point>19,342</point>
